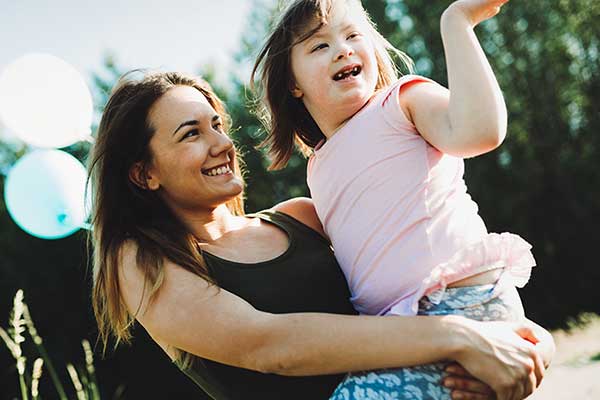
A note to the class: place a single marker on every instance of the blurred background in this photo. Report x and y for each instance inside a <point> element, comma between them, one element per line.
<point>543,183</point>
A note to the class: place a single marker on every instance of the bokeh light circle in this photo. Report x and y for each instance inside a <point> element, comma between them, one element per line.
<point>45,101</point>
<point>44,194</point>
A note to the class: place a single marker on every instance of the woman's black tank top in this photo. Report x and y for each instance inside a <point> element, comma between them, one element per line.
<point>305,278</point>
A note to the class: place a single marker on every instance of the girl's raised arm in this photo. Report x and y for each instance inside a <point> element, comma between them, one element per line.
<point>469,119</point>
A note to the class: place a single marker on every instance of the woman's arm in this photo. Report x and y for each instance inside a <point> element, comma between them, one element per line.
<point>189,314</point>
<point>470,118</point>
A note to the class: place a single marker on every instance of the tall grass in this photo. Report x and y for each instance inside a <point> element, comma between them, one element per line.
<point>20,323</point>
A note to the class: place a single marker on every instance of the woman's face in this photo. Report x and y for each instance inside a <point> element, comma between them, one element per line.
<point>192,158</point>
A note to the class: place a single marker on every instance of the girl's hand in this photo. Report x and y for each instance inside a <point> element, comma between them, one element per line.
<point>465,386</point>
<point>497,354</point>
<point>475,11</point>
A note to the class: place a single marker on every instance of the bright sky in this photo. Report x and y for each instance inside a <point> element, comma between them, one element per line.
<point>174,34</point>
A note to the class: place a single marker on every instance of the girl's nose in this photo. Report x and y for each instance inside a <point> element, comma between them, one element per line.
<point>222,143</point>
<point>344,51</point>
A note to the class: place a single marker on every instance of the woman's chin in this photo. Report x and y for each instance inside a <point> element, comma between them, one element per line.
<point>235,187</point>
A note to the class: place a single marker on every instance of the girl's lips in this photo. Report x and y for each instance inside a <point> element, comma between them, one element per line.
<point>348,71</point>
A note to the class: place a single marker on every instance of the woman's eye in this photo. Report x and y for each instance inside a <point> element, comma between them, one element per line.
<point>191,133</point>
<point>319,46</point>
<point>353,35</point>
<point>218,127</point>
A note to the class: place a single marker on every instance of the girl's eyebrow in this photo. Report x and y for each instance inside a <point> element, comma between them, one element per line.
<point>315,36</point>
<point>319,34</point>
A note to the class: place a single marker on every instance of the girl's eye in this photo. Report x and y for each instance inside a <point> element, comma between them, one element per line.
<point>218,127</point>
<point>191,133</point>
<point>353,35</point>
<point>319,47</point>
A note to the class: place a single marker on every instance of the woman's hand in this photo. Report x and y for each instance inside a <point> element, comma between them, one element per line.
<point>465,386</point>
<point>476,11</point>
<point>496,354</point>
<point>543,340</point>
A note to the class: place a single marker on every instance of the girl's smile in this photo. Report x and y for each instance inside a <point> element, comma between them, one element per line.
<point>335,69</point>
<point>347,73</point>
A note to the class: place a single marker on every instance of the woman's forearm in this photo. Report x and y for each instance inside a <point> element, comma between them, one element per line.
<point>312,343</point>
<point>476,110</point>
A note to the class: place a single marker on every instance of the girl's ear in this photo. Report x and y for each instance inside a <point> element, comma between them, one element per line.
<point>142,177</point>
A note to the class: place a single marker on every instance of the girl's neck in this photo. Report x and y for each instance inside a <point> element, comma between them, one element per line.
<point>335,128</point>
<point>329,125</point>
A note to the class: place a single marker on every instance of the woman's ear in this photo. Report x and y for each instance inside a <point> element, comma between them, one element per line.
<point>295,90</point>
<point>143,178</point>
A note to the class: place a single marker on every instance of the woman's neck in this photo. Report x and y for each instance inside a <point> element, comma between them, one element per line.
<point>210,225</point>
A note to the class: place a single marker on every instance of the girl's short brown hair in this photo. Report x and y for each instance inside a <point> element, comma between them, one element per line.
<point>285,117</point>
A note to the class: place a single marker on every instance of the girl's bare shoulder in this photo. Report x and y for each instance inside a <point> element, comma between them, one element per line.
<point>302,209</point>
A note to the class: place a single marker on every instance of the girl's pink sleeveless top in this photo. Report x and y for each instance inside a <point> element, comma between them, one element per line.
<point>398,214</point>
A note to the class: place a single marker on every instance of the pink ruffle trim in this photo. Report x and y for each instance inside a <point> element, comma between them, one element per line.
<point>505,250</point>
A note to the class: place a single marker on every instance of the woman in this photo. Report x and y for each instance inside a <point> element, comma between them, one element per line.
<point>246,305</point>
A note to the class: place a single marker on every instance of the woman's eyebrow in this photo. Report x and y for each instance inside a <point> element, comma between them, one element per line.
<point>186,123</point>
<point>195,122</point>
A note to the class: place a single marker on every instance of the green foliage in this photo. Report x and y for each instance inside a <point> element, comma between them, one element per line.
<point>264,188</point>
<point>21,324</point>
<point>543,183</point>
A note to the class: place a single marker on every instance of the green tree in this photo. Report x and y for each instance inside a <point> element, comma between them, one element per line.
<point>543,183</point>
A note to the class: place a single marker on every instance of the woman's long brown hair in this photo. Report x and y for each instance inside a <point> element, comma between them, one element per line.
<point>124,212</point>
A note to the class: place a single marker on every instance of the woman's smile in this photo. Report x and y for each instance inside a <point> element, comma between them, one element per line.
<point>219,170</point>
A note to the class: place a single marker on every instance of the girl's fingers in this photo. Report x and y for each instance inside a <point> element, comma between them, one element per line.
<point>460,384</point>
<point>457,369</point>
<point>460,395</point>
<point>478,11</point>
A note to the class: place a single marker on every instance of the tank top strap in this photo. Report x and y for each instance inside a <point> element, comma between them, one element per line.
<point>203,377</point>
<point>297,231</point>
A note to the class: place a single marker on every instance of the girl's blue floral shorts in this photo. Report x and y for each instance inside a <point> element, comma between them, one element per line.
<point>423,382</point>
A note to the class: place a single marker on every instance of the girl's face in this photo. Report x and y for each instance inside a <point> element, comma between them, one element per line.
<point>335,70</point>
<point>192,157</point>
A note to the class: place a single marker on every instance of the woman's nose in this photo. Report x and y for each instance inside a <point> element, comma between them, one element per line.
<point>222,143</point>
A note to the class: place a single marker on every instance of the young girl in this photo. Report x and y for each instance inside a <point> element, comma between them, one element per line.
<point>386,173</point>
